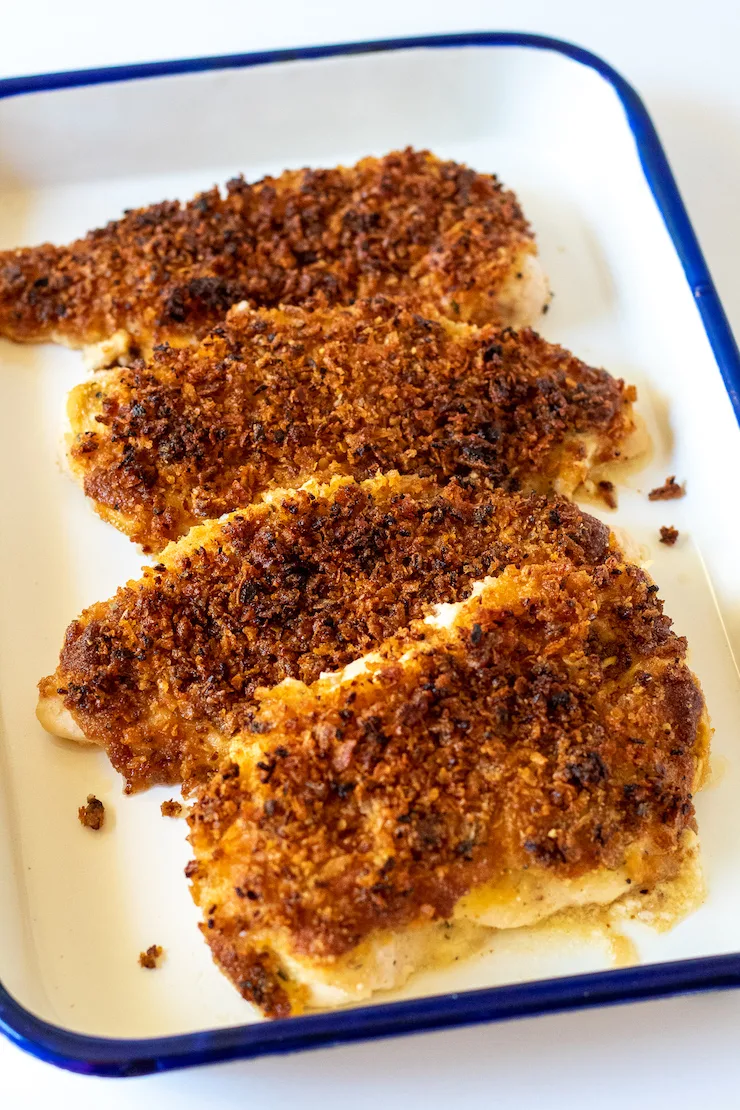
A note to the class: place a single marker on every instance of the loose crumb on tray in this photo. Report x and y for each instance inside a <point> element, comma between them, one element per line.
<point>171,808</point>
<point>150,959</point>
<point>669,491</point>
<point>668,534</point>
<point>92,814</point>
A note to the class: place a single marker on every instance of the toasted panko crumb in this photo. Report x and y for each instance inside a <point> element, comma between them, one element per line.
<point>668,535</point>
<point>669,491</point>
<point>92,814</point>
<point>150,958</point>
<point>171,808</point>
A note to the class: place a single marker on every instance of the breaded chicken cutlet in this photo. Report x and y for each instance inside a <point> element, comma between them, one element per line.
<point>164,673</point>
<point>278,396</point>
<point>405,223</point>
<point>539,750</point>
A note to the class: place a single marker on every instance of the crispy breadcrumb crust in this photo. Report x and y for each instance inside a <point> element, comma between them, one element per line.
<point>554,726</point>
<point>162,674</point>
<point>405,223</point>
<point>275,397</point>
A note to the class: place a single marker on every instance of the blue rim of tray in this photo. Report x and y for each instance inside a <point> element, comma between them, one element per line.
<point>123,1057</point>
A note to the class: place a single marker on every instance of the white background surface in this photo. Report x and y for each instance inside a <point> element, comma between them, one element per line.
<point>683,59</point>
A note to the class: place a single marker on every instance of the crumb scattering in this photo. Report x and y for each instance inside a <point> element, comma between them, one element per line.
<point>150,959</point>
<point>171,808</point>
<point>668,535</point>
<point>669,491</point>
<point>92,814</point>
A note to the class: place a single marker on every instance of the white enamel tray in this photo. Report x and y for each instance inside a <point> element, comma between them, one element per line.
<point>573,140</point>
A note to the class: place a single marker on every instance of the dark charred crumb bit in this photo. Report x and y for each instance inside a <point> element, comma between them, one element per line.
<point>92,815</point>
<point>150,959</point>
<point>259,727</point>
<point>171,808</point>
<point>268,770</point>
<point>545,308</point>
<point>669,491</point>
<point>608,496</point>
<point>644,890</point>
<point>668,535</point>
<point>190,868</point>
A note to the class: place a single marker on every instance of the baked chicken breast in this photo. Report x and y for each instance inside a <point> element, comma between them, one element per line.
<point>277,396</point>
<point>405,223</point>
<point>164,673</point>
<point>532,748</point>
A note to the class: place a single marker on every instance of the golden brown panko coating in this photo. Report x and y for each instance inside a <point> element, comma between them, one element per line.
<point>554,729</point>
<point>405,223</point>
<point>164,673</point>
<point>277,396</point>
